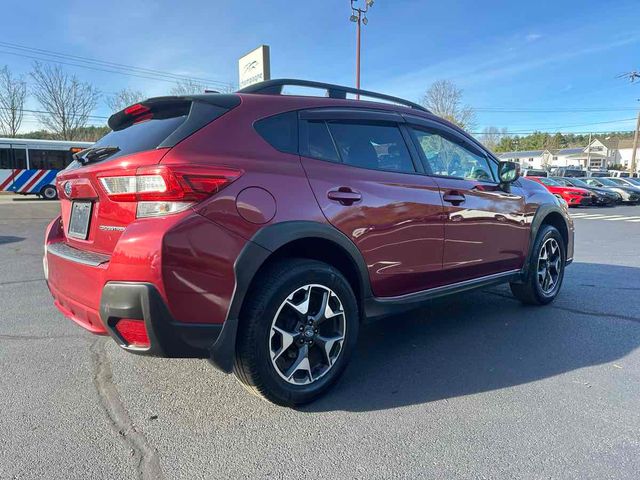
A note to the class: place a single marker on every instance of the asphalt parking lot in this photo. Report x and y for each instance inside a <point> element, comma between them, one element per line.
<point>475,387</point>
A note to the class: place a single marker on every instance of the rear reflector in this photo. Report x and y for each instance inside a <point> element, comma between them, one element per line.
<point>133,332</point>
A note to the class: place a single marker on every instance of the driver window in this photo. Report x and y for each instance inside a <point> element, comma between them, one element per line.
<point>447,158</point>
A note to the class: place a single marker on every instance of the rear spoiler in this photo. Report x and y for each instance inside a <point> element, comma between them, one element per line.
<point>168,107</point>
<point>198,109</point>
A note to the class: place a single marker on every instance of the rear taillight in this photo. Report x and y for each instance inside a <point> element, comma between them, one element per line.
<point>166,190</point>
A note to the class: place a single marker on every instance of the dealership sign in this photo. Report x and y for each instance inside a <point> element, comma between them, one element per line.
<point>255,66</point>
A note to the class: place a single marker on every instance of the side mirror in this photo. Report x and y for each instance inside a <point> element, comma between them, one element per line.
<point>508,172</point>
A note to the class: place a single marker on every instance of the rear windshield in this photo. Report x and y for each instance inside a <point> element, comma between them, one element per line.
<point>141,136</point>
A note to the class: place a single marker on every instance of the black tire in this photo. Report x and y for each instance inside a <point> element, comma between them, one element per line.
<point>49,192</point>
<point>531,292</point>
<point>253,362</point>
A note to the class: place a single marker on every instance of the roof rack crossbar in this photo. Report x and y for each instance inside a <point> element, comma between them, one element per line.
<point>275,87</point>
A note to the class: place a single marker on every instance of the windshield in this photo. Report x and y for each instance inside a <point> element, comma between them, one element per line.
<point>608,182</point>
<point>548,181</point>
<point>619,181</point>
<point>578,183</point>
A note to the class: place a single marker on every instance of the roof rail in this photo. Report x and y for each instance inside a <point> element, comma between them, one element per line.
<point>274,87</point>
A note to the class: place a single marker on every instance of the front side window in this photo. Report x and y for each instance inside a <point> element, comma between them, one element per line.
<point>447,158</point>
<point>372,145</point>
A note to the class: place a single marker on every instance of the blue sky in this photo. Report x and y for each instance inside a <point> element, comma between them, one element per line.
<point>535,61</point>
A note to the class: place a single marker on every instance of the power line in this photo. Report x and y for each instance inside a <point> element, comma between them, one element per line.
<point>157,77</point>
<point>41,51</point>
<point>101,117</point>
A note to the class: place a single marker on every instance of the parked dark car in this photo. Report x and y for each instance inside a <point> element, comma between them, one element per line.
<point>601,196</point>
<point>629,194</point>
<point>259,230</point>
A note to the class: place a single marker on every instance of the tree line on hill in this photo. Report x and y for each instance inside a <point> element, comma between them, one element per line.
<point>67,103</point>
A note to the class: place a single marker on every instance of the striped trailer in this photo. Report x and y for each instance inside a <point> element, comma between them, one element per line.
<point>29,166</point>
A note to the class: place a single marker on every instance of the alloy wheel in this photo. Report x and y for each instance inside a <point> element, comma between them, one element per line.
<point>549,265</point>
<point>307,334</point>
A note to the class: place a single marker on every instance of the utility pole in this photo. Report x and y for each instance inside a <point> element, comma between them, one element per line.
<point>588,154</point>
<point>359,17</point>
<point>635,146</point>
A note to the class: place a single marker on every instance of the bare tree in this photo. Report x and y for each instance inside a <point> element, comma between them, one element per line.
<point>491,137</point>
<point>13,92</point>
<point>124,98</point>
<point>66,101</point>
<point>192,87</point>
<point>444,99</point>
<point>188,87</point>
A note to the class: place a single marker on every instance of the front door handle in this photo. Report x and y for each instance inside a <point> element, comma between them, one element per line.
<point>456,198</point>
<point>344,195</point>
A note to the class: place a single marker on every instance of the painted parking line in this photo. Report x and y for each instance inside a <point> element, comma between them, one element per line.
<point>608,218</point>
<point>597,217</point>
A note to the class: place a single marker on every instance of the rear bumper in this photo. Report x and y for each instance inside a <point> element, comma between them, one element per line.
<point>167,338</point>
<point>171,276</point>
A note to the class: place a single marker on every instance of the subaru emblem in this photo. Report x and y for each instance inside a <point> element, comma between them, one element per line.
<point>67,189</point>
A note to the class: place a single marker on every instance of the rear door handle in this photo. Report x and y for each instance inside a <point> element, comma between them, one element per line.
<point>344,195</point>
<point>453,197</point>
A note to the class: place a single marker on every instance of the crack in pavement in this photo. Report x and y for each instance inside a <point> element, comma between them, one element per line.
<point>18,282</point>
<point>578,311</point>
<point>148,461</point>
<point>38,337</point>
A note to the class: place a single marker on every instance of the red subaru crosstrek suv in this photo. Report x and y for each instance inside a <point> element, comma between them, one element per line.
<point>258,229</point>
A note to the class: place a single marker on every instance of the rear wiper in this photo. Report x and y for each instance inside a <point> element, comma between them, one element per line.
<point>94,154</point>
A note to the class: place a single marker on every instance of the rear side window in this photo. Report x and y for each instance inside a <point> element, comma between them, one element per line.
<point>372,145</point>
<point>280,131</point>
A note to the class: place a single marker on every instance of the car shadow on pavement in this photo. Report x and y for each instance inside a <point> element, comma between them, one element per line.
<point>4,239</point>
<point>486,340</point>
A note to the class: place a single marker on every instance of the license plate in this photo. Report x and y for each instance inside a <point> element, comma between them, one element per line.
<point>80,217</point>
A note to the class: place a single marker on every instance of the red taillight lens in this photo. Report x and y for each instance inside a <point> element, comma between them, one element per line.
<point>169,183</point>
<point>179,184</point>
<point>134,332</point>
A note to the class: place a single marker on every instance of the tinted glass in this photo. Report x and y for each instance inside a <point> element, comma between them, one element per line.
<point>607,182</point>
<point>19,158</point>
<point>49,159</point>
<point>141,136</point>
<point>548,181</point>
<point>445,157</point>
<point>5,158</point>
<point>374,146</point>
<point>578,183</point>
<point>619,181</point>
<point>319,144</point>
<point>280,131</point>
<point>593,182</point>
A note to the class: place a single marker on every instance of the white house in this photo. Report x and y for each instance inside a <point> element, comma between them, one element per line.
<point>528,158</point>
<point>600,154</point>
<point>624,154</point>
